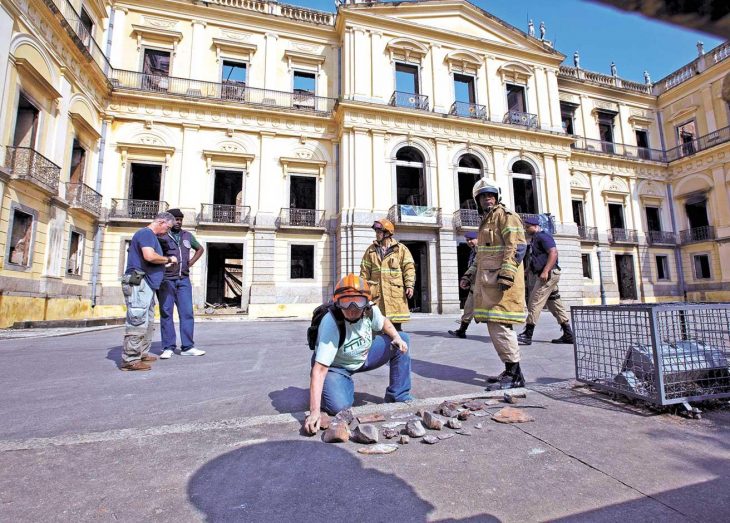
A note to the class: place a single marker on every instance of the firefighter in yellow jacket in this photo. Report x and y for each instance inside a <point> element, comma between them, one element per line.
<point>389,269</point>
<point>499,281</point>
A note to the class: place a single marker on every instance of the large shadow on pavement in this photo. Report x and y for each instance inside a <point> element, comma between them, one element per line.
<point>296,399</point>
<point>439,371</point>
<point>302,481</point>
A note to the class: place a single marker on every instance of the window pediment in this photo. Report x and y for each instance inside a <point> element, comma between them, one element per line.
<point>304,165</point>
<point>158,34</point>
<point>26,68</point>
<point>515,72</point>
<point>685,113</point>
<point>406,50</point>
<point>229,158</point>
<point>463,62</point>
<point>243,50</point>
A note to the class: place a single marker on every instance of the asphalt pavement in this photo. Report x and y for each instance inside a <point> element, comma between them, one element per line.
<point>216,438</point>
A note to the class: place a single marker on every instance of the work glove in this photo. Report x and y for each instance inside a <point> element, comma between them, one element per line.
<point>505,280</point>
<point>465,283</point>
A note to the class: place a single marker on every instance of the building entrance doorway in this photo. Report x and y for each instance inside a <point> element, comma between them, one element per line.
<point>462,262</point>
<point>626,278</point>
<point>225,276</point>
<point>421,300</point>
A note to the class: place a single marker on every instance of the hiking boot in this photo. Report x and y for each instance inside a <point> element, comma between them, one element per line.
<point>525,337</point>
<point>461,331</point>
<point>567,336</point>
<point>167,354</point>
<point>149,358</point>
<point>512,378</point>
<point>135,365</point>
<point>192,352</point>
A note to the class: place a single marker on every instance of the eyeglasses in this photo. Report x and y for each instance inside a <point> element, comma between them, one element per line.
<point>350,302</point>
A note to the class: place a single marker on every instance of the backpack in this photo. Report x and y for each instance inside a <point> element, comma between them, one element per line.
<point>319,313</point>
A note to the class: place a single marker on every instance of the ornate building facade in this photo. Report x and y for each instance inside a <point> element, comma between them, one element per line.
<point>283,132</point>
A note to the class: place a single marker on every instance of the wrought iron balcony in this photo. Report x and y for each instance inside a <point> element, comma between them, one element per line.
<point>217,213</point>
<point>697,234</point>
<point>466,218</point>
<point>699,144</point>
<point>81,196</point>
<point>227,91</point>
<point>468,110</point>
<point>661,238</point>
<point>623,236</point>
<point>519,118</point>
<point>25,163</point>
<point>291,217</point>
<point>136,209</point>
<point>588,234</point>
<point>401,214</point>
<point>619,149</point>
<point>410,100</point>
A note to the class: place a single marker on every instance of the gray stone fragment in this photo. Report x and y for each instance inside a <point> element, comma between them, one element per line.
<point>446,436</point>
<point>380,448</point>
<point>404,440</point>
<point>365,433</point>
<point>337,433</point>
<point>464,415</point>
<point>453,424</point>
<point>431,440</point>
<point>509,398</point>
<point>393,424</point>
<point>480,413</point>
<point>415,429</point>
<point>345,415</point>
<point>478,426</point>
<point>432,421</point>
<point>390,433</point>
<point>463,432</point>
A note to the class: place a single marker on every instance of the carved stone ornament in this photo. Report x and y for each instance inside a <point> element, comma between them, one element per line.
<point>155,21</point>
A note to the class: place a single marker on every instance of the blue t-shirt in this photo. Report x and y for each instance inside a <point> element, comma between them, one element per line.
<point>154,273</point>
<point>358,339</point>
<point>541,244</point>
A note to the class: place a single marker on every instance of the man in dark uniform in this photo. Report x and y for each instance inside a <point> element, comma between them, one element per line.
<point>545,275</point>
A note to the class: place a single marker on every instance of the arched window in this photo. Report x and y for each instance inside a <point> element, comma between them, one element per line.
<point>410,177</point>
<point>469,171</point>
<point>524,188</point>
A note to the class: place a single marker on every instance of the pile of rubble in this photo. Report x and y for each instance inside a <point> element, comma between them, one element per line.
<point>402,428</point>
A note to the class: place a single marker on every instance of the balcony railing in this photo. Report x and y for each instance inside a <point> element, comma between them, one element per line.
<point>697,234</point>
<point>588,234</point>
<point>136,209</point>
<point>410,100</point>
<point>468,110</point>
<point>464,218</point>
<point>228,214</point>
<point>233,92</point>
<point>699,144</point>
<point>519,118</point>
<point>619,149</point>
<point>661,238</point>
<point>25,163</point>
<point>81,196</point>
<point>603,79</point>
<point>623,236</point>
<point>290,217</point>
<point>401,214</point>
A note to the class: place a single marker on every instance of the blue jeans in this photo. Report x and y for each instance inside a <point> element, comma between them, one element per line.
<point>338,392</point>
<point>176,293</point>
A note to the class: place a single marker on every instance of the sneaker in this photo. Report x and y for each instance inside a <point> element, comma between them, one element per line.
<point>135,365</point>
<point>192,352</point>
<point>167,354</point>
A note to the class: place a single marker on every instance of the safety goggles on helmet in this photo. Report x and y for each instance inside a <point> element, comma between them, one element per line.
<point>378,226</point>
<point>352,302</point>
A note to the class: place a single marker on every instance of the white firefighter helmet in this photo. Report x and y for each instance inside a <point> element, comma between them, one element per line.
<point>485,186</point>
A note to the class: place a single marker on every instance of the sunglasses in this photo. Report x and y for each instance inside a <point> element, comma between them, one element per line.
<point>352,302</point>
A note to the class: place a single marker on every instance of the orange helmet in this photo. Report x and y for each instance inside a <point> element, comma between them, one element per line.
<point>384,225</point>
<point>350,290</point>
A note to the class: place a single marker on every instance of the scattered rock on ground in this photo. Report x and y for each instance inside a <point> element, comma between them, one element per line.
<point>464,415</point>
<point>337,433</point>
<point>370,418</point>
<point>415,429</point>
<point>509,398</point>
<point>463,432</point>
<point>453,424</point>
<point>380,448</point>
<point>402,415</point>
<point>480,413</point>
<point>420,412</point>
<point>431,440</point>
<point>511,415</point>
<point>393,424</point>
<point>345,415</point>
<point>324,421</point>
<point>404,440</point>
<point>478,426</point>
<point>390,433</point>
<point>432,421</point>
<point>489,403</point>
<point>446,436</point>
<point>365,433</point>
<point>474,405</point>
<point>449,409</point>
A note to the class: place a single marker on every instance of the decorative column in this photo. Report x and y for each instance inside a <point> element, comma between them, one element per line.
<point>198,59</point>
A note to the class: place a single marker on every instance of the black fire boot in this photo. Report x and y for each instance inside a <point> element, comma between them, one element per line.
<point>511,378</point>
<point>461,331</point>
<point>525,337</point>
<point>567,336</point>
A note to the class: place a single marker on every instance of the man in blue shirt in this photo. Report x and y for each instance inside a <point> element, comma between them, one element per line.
<point>142,277</point>
<point>544,275</point>
<point>331,387</point>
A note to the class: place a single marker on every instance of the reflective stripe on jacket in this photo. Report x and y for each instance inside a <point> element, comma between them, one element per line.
<point>389,277</point>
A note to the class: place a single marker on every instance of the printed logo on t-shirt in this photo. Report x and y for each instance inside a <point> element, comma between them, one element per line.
<point>359,342</point>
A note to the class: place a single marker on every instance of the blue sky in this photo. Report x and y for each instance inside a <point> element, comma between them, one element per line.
<point>601,34</point>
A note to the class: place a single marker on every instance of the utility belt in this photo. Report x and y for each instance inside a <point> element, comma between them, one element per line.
<point>134,278</point>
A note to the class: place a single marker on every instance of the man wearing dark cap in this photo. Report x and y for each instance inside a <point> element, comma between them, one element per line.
<point>467,282</point>
<point>176,289</point>
<point>545,273</point>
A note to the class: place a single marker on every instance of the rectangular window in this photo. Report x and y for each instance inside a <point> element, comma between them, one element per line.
<point>616,215</point>
<point>233,78</point>
<point>26,124</point>
<point>516,100</point>
<point>75,260</point>
<point>302,262</point>
<point>702,266</point>
<point>78,163</point>
<point>464,89</point>
<point>642,142</point>
<point>21,238</point>
<point>686,133</point>
<point>567,115</point>
<point>653,222</point>
<point>155,69</point>
<point>586,261</point>
<point>304,89</point>
<point>302,192</point>
<point>578,214</point>
<point>697,213</point>
<point>524,195</point>
<point>406,78</point>
<point>86,27</point>
<point>662,268</point>
<point>605,131</point>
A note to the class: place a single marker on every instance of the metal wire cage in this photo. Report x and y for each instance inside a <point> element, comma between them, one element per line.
<point>659,353</point>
